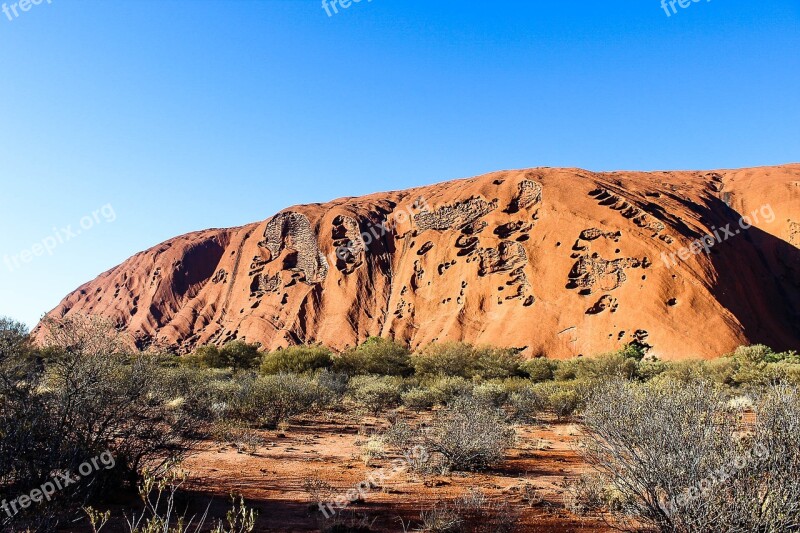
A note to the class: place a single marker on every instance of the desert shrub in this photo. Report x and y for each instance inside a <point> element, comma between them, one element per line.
<point>376,393</point>
<point>373,448</point>
<point>464,360</point>
<point>721,371</point>
<point>626,363</point>
<point>615,364</point>
<point>420,398</point>
<point>639,437</point>
<point>449,388</point>
<point>539,369</point>
<point>400,435</point>
<point>468,435</point>
<point>586,493</point>
<point>766,496</point>
<point>84,335</point>
<point>118,403</point>
<point>473,512</point>
<point>297,360</point>
<point>15,343</point>
<point>748,373</point>
<point>789,372</point>
<point>497,363</point>
<point>269,400</point>
<point>240,436</point>
<point>684,372</point>
<point>566,370</point>
<point>757,353</point>
<point>677,454</point>
<point>376,356</point>
<point>512,385</point>
<point>209,356</point>
<point>333,383</point>
<point>320,492</point>
<point>82,402</point>
<point>790,357</point>
<point>442,518</point>
<point>525,404</point>
<point>648,369</point>
<point>563,402</point>
<point>80,397</point>
<point>561,398</point>
<point>197,390</point>
<point>453,359</point>
<point>237,355</point>
<point>491,393</point>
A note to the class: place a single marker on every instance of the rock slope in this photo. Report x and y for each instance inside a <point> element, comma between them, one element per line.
<point>560,262</point>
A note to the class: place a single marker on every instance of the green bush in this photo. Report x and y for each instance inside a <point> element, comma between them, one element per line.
<point>756,374</point>
<point>539,369</point>
<point>334,383</point>
<point>449,388</point>
<point>198,390</point>
<point>563,402</point>
<point>757,353</point>
<point>789,372</point>
<point>376,356</point>
<point>297,360</point>
<point>615,364</point>
<point>464,360</point>
<point>650,369</point>
<point>624,363</point>
<point>492,393</point>
<point>376,393</point>
<point>566,370</point>
<point>526,403</point>
<point>237,355</point>
<point>633,350</point>
<point>420,398</point>
<point>498,363</point>
<point>269,400</point>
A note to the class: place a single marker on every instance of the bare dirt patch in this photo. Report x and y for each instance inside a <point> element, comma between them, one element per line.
<point>327,449</point>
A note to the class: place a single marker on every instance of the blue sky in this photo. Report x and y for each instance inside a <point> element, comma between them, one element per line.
<point>183,115</point>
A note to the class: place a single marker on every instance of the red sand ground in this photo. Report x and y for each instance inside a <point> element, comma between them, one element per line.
<point>272,480</point>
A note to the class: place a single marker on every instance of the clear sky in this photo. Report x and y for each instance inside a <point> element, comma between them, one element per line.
<point>182,115</point>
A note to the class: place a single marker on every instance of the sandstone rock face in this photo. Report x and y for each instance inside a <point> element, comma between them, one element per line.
<point>560,262</point>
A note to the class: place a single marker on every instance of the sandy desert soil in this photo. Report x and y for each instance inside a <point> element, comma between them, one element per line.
<point>272,480</point>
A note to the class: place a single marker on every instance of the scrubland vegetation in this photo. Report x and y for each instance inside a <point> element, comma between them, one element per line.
<point>689,446</point>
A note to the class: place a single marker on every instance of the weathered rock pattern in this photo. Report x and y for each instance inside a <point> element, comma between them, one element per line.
<point>560,262</point>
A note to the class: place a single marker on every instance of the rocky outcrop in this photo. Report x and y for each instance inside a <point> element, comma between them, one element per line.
<point>561,262</point>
